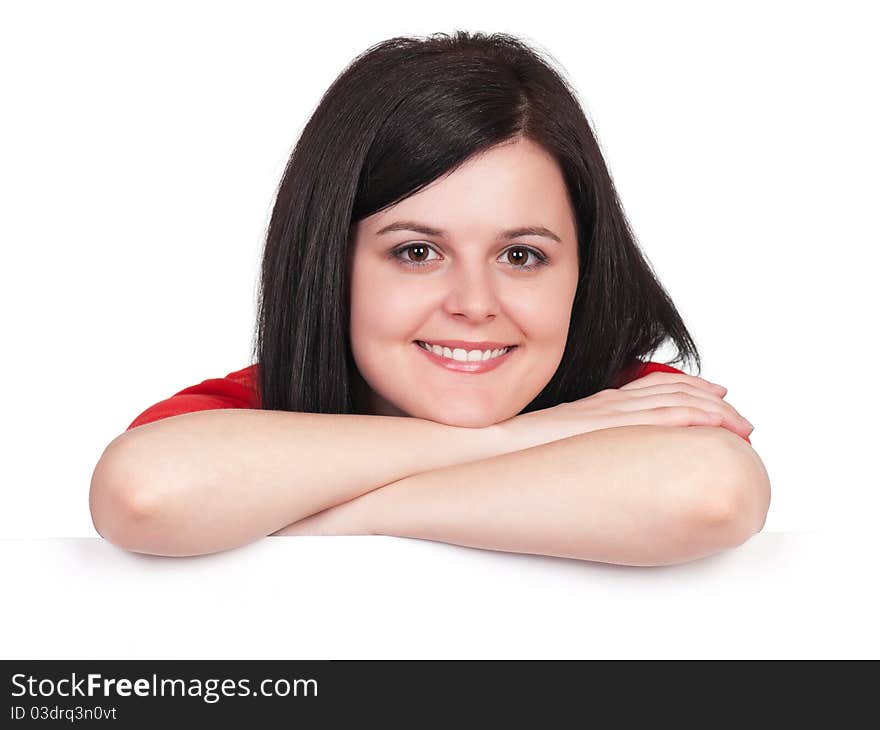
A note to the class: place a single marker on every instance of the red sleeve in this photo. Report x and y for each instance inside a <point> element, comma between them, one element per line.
<point>650,367</point>
<point>236,390</point>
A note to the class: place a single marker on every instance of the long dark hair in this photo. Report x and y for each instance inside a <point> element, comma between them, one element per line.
<point>403,113</point>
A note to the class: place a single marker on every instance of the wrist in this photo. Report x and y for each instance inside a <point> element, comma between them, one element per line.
<point>508,436</point>
<point>462,444</point>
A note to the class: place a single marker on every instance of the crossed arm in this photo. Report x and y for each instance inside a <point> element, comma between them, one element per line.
<point>211,480</point>
<point>633,495</point>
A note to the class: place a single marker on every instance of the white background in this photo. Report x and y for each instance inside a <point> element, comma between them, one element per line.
<point>142,145</point>
<point>780,595</point>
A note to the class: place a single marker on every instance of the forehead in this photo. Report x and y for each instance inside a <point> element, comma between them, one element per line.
<point>513,184</point>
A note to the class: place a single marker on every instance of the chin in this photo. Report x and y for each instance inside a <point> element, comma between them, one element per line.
<point>465,420</point>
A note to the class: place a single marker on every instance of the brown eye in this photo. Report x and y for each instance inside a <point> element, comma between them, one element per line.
<point>419,252</point>
<point>519,255</point>
<point>415,254</point>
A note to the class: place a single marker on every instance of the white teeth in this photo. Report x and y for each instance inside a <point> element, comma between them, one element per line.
<point>464,355</point>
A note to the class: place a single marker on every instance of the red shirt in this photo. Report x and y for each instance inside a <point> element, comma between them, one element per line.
<point>238,390</point>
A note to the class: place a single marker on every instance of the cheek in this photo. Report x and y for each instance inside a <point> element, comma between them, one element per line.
<point>543,316</point>
<point>384,307</point>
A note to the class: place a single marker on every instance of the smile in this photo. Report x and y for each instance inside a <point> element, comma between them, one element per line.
<point>464,361</point>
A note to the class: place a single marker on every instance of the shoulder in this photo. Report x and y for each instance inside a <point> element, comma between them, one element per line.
<point>640,369</point>
<point>238,389</point>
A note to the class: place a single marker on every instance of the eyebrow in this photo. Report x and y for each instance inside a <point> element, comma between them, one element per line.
<point>429,231</point>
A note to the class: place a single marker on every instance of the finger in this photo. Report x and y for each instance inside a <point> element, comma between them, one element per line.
<point>684,388</point>
<point>657,378</point>
<point>731,419</point>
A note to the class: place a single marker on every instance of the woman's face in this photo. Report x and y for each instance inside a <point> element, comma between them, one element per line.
<point>468,281</point>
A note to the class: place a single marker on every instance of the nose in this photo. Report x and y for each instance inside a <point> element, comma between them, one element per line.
<point>472,291</point>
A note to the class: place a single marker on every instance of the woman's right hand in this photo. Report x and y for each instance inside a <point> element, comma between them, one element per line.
<point>658,398</point>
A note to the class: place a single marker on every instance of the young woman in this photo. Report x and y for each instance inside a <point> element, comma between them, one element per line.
<point>453,343</point>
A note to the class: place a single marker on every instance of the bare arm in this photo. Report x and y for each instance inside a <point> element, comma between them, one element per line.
<point>634,495</point>
<point>213,480</point>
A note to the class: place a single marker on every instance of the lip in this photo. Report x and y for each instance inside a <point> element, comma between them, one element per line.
<point>477,367</point>
<point>465,345</point>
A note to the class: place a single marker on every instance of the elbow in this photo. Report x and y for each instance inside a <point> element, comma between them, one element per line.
<point>119,507</point>
<point>734,491</point>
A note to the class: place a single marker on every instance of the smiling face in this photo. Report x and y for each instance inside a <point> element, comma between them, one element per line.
<point>473,279</point>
